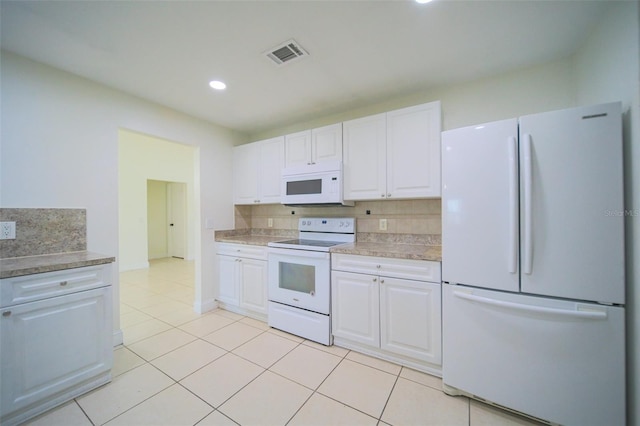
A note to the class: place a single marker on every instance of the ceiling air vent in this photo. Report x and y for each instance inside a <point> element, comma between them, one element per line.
<point>286,52</point>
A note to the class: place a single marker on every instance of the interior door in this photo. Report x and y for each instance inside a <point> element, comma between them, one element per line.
<point>480,206</point>
<point>572,223</point>
<point>177,212</point>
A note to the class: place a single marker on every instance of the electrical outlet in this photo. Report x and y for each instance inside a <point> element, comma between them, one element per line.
<point>7,230</point>
<point>270,222</point>
<point>383,224</point>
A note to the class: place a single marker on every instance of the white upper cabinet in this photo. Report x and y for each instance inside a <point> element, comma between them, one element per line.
<point>257,169</point>
<point>393,155</point>
<point>314,146</point>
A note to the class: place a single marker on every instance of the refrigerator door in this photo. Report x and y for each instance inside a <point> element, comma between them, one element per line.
<point>480,205</point>
<point>556,360</point>
<point>572,229</point>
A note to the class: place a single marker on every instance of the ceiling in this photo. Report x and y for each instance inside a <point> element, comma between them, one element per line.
<point>360,52</point>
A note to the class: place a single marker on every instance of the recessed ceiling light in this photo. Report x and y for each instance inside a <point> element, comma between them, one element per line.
<point>423,1</point>
<point>218,85</point>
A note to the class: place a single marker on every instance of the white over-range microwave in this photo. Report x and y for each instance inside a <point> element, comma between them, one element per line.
<point>313,185</point>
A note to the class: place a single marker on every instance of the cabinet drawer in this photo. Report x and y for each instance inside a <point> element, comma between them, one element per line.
<point>242,250</point>
<point>419,270</point>
<point>28,288</point>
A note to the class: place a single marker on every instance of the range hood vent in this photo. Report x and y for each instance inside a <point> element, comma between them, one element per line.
<point>286,52</point>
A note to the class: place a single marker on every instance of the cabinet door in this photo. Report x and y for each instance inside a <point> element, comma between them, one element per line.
<point>355,307</point>
<point>326,143</point>
<point>413,152</point>
<point>365,158</point>
<point>298,149</point>
<point>253,285</point>
<point>410,319</point>
<point>245,174</point>
<point>271,162</point>
<point>53,345</point>
<point>228,279</point>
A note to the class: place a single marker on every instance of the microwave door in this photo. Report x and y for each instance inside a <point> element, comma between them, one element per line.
<point>303,187</point>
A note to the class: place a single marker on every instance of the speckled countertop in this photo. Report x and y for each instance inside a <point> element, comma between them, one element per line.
<point>389,248</point>
<point>395,250</point>
<point>18,266</point>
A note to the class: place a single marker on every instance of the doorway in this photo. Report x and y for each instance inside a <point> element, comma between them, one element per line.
<point>166,219</point>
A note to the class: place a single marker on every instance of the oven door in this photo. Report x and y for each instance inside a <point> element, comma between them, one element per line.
<point>300,278</point>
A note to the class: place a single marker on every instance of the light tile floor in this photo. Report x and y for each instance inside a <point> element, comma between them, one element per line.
<point>220,368</point>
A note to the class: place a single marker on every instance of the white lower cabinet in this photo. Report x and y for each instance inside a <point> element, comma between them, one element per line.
<point>57,346</point>
<point>355,302</point>
<point>242,271</point>
<point>378,313</point>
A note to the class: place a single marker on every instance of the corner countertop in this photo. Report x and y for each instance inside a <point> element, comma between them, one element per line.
<point>27,265</point>
<point>370,247</point>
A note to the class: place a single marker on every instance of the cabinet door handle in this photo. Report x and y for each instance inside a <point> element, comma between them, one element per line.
<point>378,266</point>
<point>381,281</point>
<point>375,280</point>
<point>382,195</point>
<point>63,283</point>
<point>6,313</point>
<point>389,195</point>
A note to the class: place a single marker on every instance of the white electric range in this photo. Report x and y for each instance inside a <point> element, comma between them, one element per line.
<point>300,277</point>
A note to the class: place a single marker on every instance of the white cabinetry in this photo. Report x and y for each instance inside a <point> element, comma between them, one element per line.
<point>389,308</point>
<point>314,146</point>
<point>257,171</point>
<point>394,155</point>
<point>56,335</point>
<point>243,278</point>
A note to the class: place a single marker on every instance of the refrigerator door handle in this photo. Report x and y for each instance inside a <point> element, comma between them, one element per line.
<point>591,314</point>
<point>527,196</point>
<point>513,206</point>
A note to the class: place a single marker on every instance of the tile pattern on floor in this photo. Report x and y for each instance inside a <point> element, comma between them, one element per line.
<point>180,368</point>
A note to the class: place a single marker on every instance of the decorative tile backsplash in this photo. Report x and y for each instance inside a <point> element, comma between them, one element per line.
<point>404,217</point>
<point>44,231</point>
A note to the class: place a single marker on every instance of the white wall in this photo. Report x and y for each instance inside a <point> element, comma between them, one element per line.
<point>142,157</point>
<point>607,69</point>
<point>536,89</point>
<point>60,149</point>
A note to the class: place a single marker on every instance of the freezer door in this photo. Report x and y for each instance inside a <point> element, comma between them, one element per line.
<point>572,229</point>
<point>556,360</point>
<point>480,205</point>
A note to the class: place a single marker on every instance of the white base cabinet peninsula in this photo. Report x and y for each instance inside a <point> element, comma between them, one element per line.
<point>242,280</point>
<point>389,308</point>
<point>56,337</point>
<point>393,155</point>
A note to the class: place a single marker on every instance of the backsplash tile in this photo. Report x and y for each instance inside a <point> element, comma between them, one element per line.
<point>44,231</point>
<point>404,218</point>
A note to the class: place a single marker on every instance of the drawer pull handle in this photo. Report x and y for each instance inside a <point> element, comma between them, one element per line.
<point>6,313</point>
<point>63,283</point>
<point>375,280</point>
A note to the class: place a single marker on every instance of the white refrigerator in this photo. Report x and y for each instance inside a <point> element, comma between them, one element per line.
<point>533,264</point>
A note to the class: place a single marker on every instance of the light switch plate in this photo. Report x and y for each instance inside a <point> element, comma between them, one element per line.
<point>7,230</point>
<point>383,225</point>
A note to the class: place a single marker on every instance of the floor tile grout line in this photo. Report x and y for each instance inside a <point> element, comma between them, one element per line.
<point>388,397</point>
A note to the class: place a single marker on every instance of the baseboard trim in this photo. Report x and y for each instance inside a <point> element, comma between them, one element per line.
<point>205,306</point>
<point>118,338</point>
